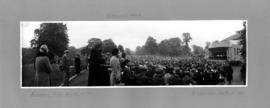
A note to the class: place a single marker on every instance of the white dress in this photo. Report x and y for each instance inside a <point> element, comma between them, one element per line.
<point>115,75</point>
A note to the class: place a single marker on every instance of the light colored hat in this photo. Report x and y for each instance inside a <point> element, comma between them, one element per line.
<point>66,51</point>
<point>43,47</point>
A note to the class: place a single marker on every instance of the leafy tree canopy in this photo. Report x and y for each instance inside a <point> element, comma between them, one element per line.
<point>108,45</point>
<point>54,35</point>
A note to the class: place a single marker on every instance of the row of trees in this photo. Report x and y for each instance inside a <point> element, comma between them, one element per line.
<point>55,36</point>
<point>107,46</point>
<point>243,42</point>
<point>169,47</point>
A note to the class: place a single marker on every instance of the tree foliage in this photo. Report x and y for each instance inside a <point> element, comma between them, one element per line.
<point>108,45</point>
<point>207,45</point>
<point>92,42</point>
<point>54,35</point>
<point>121,48</point>
<point>139,50</point>
<point>243,41</point>
<point>175,46</point>
<point>170,47</point>
<point>72,51</point>
<point>150,46</point>
<point>163,47</point>
<point>186,38</point>
<point>198,50</point>
<point>128,51</point>
<point>86,50</point>
<point>167,47</point>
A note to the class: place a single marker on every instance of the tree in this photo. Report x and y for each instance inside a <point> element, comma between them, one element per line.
<point>170,47</point>
<point>54,35</point>
<point>207,45</point>
<point>198,50</point>
<point>175,47</point>
<point>243,42</point>
<point>92,42</point>
<point>121,48</point>
<point>186,38</point>
<point>33,43</point>
<point>150,46</point>
<point>108,45</point>
<point>139,50</point>
<point>128,51</point>
<point>86,50</point>
<point>72,51</point>
<point>206,50</point>
<point>163,47</point>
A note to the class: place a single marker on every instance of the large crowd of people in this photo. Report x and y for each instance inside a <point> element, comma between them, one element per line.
<point>158,70</point>
<point>118,68</point>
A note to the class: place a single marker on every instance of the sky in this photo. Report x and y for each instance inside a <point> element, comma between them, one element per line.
<point>131,34</point>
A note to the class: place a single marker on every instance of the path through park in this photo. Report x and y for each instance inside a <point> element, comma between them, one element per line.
<point>81,79</point>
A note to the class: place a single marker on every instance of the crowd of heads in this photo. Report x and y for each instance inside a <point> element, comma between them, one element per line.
<point>159,70</point>
<point>162,70</point>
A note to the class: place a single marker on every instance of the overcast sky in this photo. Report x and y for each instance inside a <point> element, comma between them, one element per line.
<point>131,34</point>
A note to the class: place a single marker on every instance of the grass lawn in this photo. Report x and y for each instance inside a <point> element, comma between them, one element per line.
<point>28,75</point>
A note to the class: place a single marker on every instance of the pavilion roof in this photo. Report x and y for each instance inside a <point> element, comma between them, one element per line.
<point>227,42</point>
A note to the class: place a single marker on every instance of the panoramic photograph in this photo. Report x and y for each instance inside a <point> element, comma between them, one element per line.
<point>154,53</point>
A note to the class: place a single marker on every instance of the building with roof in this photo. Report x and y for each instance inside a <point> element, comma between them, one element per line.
<point>227,49</point>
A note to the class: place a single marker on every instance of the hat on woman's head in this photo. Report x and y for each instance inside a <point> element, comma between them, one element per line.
<point>97,44</point>
<point>115,51</point>
<point>66,51</point>
<point>43,48</point>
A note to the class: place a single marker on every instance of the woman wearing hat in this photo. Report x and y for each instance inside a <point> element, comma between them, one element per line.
<point>115,75</point>
<point>98,75</point>
<point>42,66</point>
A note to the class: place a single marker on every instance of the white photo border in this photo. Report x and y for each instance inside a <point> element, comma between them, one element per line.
<point>161,86</point>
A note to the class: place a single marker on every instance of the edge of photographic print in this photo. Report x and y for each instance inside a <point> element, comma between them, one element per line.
<point>161,86</point>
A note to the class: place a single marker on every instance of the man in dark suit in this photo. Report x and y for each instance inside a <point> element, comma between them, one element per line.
<point>78,64</point>
<point>66,64</point>
<point>229,72</point>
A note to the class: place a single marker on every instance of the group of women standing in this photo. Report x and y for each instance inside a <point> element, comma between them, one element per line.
<point>100,72</point>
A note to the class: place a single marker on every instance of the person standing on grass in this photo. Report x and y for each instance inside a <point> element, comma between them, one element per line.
<point>115,75</point>
<point>66,64</point>
<point>42,66</point>
<point>78,64</point>
<point>229,72</point>
<point>243,73</point>
<point>97,74</point>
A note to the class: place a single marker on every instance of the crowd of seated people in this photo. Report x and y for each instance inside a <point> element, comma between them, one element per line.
<point>158,70</point>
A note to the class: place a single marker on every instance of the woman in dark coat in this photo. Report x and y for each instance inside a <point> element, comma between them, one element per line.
<point>98,75</point>
<point>78,64</point>
<point>42,66</point>
<point>229,72</point>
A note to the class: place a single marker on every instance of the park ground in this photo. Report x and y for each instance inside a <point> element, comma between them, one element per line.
<point>82,78</point>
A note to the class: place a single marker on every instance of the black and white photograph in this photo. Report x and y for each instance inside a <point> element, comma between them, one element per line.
<point>146,53</point>
<point>134,53</point>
